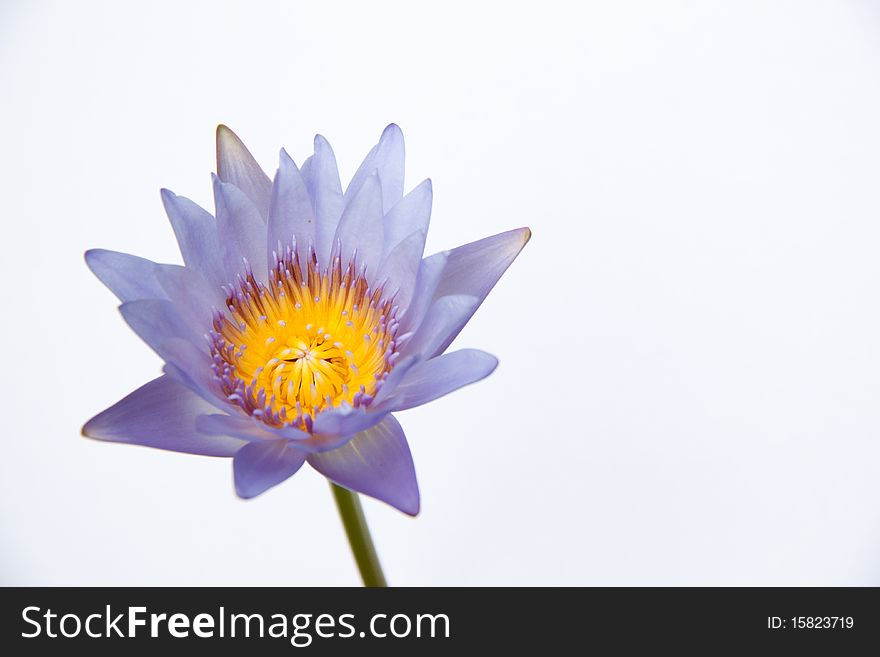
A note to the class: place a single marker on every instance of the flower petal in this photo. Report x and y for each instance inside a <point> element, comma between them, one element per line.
<point>322,180</point>
<point>446,317</point>
<point>251,429</point>
<point>160,414</point>
<point>360,228</point>
<point>193,297</point>
<point>412,213</point>
<point>345,420</point>
<point>474,269</point>
<point>128,277</point>
<point>242,232</point>
<point>376,462</point>
<point>427,280</point>
<point>400,268</point>
<point>156,321</point>
<point>180,354</point>
<point>391,381</point>
<point>386,158</point>
<point>290,211</point>
<point>428,380</point>
<point>236,165</point>
<point>260,465</point>
<point>197,236</point>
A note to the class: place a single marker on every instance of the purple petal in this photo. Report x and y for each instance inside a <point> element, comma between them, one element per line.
<point>251,429</point>
<point>445,318</point>
<point>345,420</point>
<point>192,296</point>
<point>236,165</point>
<point>160,414</point>
<point>260,465</point>
<point>290,211</point>
<point>196,232</point>
<point>156,321</point>
<point>242,232</point>
<point>128,277</point>
<point>428,380</point>
<point>376,462</point>
<point>390,382</point>
<point>322,180</point>
<point>191,365</point>
<point>474,269</point>
<point>427,280</point>
<point>386,158</point>
<point>412,213</point>
<point>360,228</point>
<point>401,268</point>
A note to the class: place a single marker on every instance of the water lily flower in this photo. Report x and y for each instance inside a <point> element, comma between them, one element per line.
<point>304,316</point>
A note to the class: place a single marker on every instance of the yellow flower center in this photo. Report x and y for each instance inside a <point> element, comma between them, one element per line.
<point>306,341</point>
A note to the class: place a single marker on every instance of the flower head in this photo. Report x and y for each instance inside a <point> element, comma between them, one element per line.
<point>304,316</point>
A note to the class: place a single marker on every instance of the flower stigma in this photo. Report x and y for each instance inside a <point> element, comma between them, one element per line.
<point>304,342</point>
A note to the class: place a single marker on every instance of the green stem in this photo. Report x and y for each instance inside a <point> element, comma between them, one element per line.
<point>358,536</point>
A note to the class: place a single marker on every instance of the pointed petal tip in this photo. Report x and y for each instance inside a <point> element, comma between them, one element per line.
<point>88,428</point>
<point>526,234</point>
<point>320,142</point>
<point>220,187</point>
<point>95,429</point>
<point>392,130</point>
<point>236,165</point>
<point>98,427</point>
<point>168,200</point>
<point>90,255</point>
<point>244,494</point>
<point>411,509</point>
<point>227,141</point>
<point>224,132</point>
<point>425,187</point>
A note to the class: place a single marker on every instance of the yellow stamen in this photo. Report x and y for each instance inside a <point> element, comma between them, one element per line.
<point>306,341</point>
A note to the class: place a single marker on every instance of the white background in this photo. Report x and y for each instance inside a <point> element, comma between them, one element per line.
<point>690,373</point>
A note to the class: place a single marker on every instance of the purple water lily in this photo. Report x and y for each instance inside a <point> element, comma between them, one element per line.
<point>304,316</point>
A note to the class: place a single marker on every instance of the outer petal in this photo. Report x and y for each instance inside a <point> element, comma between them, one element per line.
<point>360,228</point>
<point>160,414</point>
<point>428,380</point>
<point>322,180</point>
<point>475,268</point>
<point>376,462</point>
<point>128,277</point>
<point>197,236</point>
<point>445,318</point>
<point>236,165</point>
<point>412,213</point>
<point>242,231</point>
<point>387,159</point>
<point>260,465</point>
<point>290,211</point>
